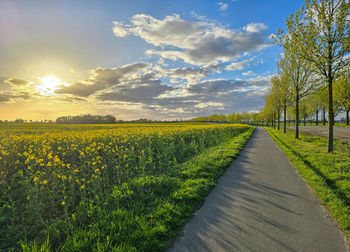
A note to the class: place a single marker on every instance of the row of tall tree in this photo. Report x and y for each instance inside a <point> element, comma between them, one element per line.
<point>314,66</point>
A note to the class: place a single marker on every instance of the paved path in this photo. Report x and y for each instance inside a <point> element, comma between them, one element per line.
<point>340,133</point>
<point>261,204</point>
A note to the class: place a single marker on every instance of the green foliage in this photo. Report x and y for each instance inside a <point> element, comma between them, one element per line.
<point>327,173</point>
<point>342,92</point>
<point>235,117</point>
<point>45,247</point>
<point>319,36</point>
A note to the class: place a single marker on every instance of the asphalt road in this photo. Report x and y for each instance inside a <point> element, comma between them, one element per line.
<point>261,204</point>
<point>340,133</point>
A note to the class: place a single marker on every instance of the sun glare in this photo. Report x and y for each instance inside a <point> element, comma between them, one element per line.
<point>48,84</point>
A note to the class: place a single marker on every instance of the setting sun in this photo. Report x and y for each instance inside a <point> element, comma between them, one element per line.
<point>48,84</point>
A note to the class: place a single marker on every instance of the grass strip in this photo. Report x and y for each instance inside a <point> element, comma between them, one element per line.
<point>327,173</point>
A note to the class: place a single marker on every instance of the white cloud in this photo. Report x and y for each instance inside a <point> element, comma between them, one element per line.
<point>248,73</point>
<point>198,43</point>
<point>119,30</point>
<point>240,65</point>
<point>222,6</point>
<point>255,27</point>
<point>237,65</point>
<point>209,104</point>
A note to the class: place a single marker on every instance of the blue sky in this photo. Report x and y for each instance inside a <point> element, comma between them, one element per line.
<point>137,59</point>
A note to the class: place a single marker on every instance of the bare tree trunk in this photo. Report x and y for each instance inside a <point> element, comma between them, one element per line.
<point>285,118</point>
<point>279,118</point>
<point>317,117</point>
<point>347,117</point>
<point>330,114</point>
<point>297,116</point>
<point>324,117</point>
<point>304,120</point>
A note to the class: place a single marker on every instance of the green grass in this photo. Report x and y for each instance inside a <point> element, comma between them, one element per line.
<point>314,124</point>
<point>327,173</point>
<point>341,125</point>
<point>146,213</point>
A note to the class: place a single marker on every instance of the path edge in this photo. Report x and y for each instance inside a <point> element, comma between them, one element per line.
<point>324,208</point>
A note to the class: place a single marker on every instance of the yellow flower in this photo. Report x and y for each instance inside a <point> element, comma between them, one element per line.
<point>63,203</point>
<point>28,197</point>
<point>82,187</point>
<point>97,170</point>
<point>45,182</point>
<point>35,179</point>
<point>68,165</point>
<point>76,171</point>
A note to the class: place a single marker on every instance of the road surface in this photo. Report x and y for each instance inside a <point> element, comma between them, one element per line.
<point>261,204</point>
<point>340,133</point>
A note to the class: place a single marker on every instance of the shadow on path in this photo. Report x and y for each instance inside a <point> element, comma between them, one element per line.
<point>260,204</point>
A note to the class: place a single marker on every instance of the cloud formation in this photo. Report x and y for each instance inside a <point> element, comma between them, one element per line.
<point>148,87</point>
<point>16,82</point>
<point>102,78</point>
<point>194,42</point>
<point>8,96</point>
<point>194,74</point>
<point>143,89</point>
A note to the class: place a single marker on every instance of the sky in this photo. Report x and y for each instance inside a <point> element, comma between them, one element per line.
<point>161,60</point>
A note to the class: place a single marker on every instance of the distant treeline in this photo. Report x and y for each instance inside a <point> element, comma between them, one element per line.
<point>86,119</point>
<point>235,117</point>
<point>97,119</point>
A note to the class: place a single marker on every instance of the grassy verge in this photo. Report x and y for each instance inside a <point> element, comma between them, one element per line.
<point>328,174</point>
<point>146,213</point>
<point>319,124</point>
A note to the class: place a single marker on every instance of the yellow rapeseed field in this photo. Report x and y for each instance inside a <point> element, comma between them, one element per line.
<point>47,170</point>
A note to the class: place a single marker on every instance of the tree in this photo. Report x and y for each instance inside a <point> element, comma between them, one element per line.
<point>304,111</point>
<point>315,104</point>
<point>342,92</point>
<point>270,109</point>
<point>284,91</point>
<point>280,90</point>
<point>321,96</point>
<point>297,73</point>
<point>321,33</point>
<point>86,119</point>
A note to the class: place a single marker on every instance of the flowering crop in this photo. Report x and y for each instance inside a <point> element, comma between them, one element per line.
<point>48,172</point>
